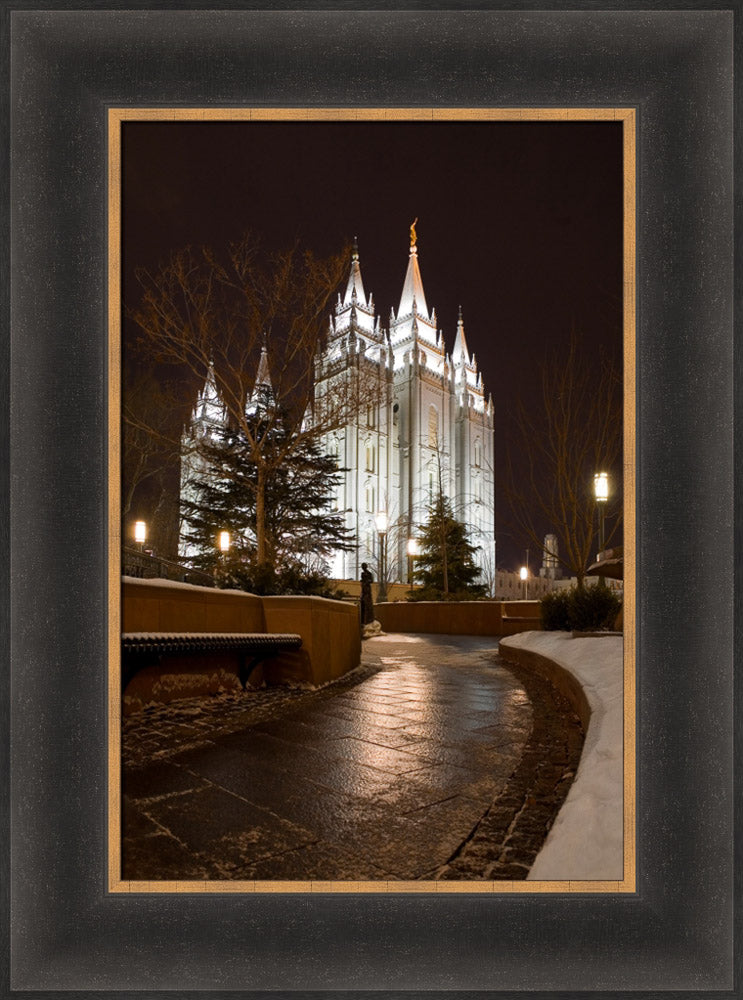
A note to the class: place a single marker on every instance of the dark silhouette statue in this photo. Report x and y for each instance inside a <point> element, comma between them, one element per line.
<point>367,602</point>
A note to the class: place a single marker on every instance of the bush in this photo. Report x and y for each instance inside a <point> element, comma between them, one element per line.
<point>556,611</point>
<point>267,580</point>
<point>581,610</point>
<point>593,608</point>
<point>474,593</point>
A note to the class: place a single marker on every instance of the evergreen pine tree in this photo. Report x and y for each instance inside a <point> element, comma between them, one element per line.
<point>301,528</point>
<point>445,568</point>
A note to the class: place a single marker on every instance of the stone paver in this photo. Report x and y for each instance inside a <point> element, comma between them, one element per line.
<point>434,761</point>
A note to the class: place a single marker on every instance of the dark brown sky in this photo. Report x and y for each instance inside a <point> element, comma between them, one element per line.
<point>520,222</point>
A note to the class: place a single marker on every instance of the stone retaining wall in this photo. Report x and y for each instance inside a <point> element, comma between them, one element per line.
<point>169,606</point>
<point>460,617</point>
<point>331,641</point>
<point>331,638</point>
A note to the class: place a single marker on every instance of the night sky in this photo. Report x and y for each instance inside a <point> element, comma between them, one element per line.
<point>519,222</point>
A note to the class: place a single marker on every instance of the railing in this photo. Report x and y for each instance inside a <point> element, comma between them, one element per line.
<point>146,566</point>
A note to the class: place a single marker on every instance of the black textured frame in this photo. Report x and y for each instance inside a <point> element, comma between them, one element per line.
<point>67,933</point>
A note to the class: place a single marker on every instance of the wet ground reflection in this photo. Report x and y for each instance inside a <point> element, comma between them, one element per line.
<point>384,780</point>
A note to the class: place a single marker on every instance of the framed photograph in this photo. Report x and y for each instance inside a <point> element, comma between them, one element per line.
<point>395,800</point>
<point>106,106</point>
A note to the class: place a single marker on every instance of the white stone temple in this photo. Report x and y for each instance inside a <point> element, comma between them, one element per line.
<point>429,427</point>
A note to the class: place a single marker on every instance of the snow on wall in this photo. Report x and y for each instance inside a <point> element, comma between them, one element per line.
<point>586,841</point>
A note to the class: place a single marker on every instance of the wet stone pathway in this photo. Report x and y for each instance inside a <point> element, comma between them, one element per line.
<point>433,761</point>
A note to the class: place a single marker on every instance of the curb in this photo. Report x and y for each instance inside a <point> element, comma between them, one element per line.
<point>586,841</point>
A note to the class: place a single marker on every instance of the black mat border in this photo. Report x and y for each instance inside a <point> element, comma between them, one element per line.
<point>68,935</point>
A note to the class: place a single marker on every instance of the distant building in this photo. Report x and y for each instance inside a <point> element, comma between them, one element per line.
<point>567,583</point>
<point>510,587</point>
<point>550,568</point>
<point>430,424</point>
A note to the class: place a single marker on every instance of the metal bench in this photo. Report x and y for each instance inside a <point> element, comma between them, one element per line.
<point>144,649</point>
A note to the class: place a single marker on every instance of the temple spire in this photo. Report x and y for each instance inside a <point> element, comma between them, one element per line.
<point>460,344</point>
<point>263,378</point>
<point>413,297</point>
<point>209,408</point>
<point>261,394</point>
<point>355,286</point>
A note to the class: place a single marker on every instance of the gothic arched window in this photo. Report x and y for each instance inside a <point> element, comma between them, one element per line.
<point>433,427</point>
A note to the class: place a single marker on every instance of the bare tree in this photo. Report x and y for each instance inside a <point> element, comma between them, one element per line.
<point>150,445</point>
<point>210,311</point>
<point>556,449</point>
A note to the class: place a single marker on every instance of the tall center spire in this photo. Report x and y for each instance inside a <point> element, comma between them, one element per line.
<point>413,297</point>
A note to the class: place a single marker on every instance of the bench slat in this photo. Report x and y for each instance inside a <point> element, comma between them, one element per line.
<point>139,646</point>
<point>174,642</point>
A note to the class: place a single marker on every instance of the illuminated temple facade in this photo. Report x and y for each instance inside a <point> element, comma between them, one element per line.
<point>425,424</point>
<point>428,425</point>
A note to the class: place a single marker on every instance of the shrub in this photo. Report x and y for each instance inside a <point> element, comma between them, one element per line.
<point>581,610</point>
<point>268,580</point>
<point>474,593</point>
<point>556,611</point>
<point>593,608</point>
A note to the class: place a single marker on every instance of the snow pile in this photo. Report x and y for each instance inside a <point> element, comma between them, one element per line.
<point>372,630</point>
<point>159,581</point>
<point>587,838</point>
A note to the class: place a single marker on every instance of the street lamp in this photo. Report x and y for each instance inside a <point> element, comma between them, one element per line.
<point>140,533</point>
<point>601,492</point>
<point>413,550</point>
<point>524,574</point>
<point>223,544</point>
<point>382,524</point>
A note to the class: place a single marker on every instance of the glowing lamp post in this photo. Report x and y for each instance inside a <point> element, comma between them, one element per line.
<point>412,553</point>
<point>140,533</point>
<point>382,524</point>
<point>524,574</point>
<point>223,544</point>
<point>601,492</point>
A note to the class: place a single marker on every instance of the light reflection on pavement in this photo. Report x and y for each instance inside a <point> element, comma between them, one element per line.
<point>383,780</point>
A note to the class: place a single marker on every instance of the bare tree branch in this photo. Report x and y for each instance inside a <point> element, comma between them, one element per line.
<point>555,450</point>
<point>211,311</point>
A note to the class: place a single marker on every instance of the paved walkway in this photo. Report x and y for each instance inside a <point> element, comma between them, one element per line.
<point>441,763</point>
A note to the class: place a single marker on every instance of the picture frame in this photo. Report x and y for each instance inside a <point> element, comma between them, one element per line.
<point>67,933</point>
<point>251,122</point>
